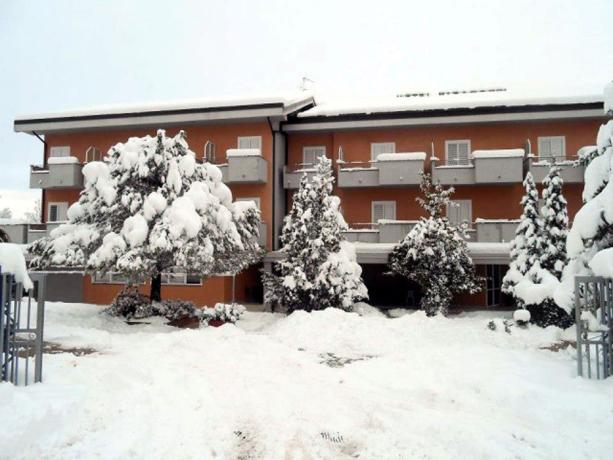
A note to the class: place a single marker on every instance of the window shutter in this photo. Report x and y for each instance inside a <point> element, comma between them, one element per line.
<point>378,212</point>
<point>250,142</point>
<point>311,154</point>
<point>463,154</point>
<point>63,211</point>
<point>209,152</point>
<point>377,148</point>
<point>389,211</point>
<point>63,151</point>
<point>452,154</point>
<point>557,149</point>
<point>53,213</point>
<point>459,211</point>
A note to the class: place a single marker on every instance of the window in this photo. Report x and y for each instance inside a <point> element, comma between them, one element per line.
<point>92,154</point>
<point>209,152</point>
<point>383,210</point>
<point>494,275</point>
<point>57,212</point>
<point>250,142</point>
<point>256,200</point>
<point>459,211</point>
<point>377,148</point>
<point>457,153</point>
<point>311,154</point>
<point>114,278</point>
<point>181,278</point>
<point>553,147</point>
<point>63,151</point>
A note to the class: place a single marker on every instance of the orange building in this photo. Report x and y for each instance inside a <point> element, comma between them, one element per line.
<point>482,143</point>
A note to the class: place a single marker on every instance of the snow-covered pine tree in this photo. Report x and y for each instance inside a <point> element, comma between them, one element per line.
<point>554,215</point>
<point>526,247</point>
<point>536,290</point>
<point>319,269</point>
<point>590,240</point>
<point>434,253</point>
<point>150,207</point>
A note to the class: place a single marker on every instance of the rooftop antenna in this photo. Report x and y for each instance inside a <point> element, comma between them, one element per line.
<point>304,83</point>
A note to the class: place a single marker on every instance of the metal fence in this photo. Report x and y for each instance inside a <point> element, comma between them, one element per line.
<point>21,331</point>
<point>594,318</point>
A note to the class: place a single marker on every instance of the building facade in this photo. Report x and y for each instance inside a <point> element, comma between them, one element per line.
<point>482,144</point>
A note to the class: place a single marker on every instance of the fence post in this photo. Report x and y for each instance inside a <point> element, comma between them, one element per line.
<point>40,322</point>
<point>578,327</point>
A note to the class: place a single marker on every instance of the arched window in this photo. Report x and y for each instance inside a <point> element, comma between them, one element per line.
<point>209,152</point>
<point>92,154</point>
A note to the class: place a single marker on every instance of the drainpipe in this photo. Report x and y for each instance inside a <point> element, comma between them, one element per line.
<point>42,193</point>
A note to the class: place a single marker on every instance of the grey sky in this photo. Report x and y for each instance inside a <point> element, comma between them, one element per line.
<point>61,54</point>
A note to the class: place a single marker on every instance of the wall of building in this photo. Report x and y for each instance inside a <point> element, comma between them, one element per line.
<point>488,202</point>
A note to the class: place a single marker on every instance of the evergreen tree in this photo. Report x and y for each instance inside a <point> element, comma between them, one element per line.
<point>149,207</point>
<point>434,253</point>
<point>554,215</point>
<point>526,247</point>
<point>319,269</point>
<point>591,234</point>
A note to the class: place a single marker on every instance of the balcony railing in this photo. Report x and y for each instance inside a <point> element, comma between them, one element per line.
<point>393,231</point>
<point>244,166</point>
<point>293,174</point>
<point>571,172</point>
<point>486,167</point>
<point>56,176</point>
<point>390,169</point>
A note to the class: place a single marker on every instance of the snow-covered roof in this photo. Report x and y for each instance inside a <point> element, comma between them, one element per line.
<point>165,113</point>
<point>353,105</point>
<point>285,100</point>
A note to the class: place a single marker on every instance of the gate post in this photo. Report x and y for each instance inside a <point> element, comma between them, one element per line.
<point>578,327</point>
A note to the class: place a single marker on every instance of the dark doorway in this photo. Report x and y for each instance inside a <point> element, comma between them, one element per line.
<point>387,290</point>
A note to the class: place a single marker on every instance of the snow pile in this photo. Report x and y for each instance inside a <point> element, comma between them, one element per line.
<point>402,156</point>
<point>12,261</point>
<point>285,387</point>
<point>243,153</point>
<point>62,160</point>
<point>521,316</point>
<point>504,153</point>
<point>602,263</point>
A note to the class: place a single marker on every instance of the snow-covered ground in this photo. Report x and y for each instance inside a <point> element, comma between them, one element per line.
<point>323,385</point>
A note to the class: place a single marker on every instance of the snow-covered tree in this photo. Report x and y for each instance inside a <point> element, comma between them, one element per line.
<point>434,253</point>
<point>149,207</point>
<point>590,240</point>
<point>535,289</point>
<point>319,269</point>
<point>554,216</point>
<point>526,247</point>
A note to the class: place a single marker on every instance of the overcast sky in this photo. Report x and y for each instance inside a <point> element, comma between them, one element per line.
<point>62,54</point>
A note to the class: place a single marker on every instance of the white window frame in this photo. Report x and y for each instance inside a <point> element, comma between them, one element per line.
<point>209,151</point>
<point>312,148</point>
<point>550,138</point>
<point>93,151</point>
<point>384,203</point>
<point>249,140</point>
<point>390,147</point>
<point>59,204</point>
<point>59,151</point>
<point>470,211</point>
<point>458,141</point>
<point>255,199</point>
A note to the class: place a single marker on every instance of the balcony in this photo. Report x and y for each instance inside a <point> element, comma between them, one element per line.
<point>388,170</point>
<point>244,166</point>
<point>393,231</point>
<point>495,231</point>
<point>38,231</point>
<point>61,172</point>
<point>570,173</point>
<point>487,167</point>
<point>292,175</point>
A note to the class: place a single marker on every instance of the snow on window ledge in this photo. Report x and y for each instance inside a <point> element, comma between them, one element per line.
<point>501,153</point>
<point>243,153</point>
<point>62,160</point>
